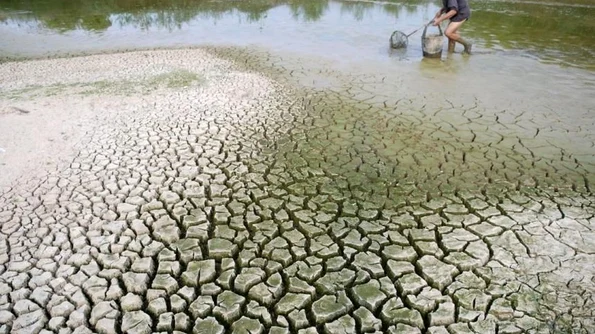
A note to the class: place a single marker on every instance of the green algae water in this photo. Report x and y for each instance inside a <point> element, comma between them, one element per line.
<point>554,32</point>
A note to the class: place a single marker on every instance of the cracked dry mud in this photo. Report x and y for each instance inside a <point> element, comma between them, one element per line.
<point>235,204</point>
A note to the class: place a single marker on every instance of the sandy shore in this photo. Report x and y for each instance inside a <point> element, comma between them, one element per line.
<point>50,109</point>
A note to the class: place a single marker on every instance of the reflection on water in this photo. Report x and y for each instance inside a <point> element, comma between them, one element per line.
<point>99,16</point>
<point>550,30</point>
<point>560,32</point>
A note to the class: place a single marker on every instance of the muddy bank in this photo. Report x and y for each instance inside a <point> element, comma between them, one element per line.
<point>427,124</point>
<point>188,192</point>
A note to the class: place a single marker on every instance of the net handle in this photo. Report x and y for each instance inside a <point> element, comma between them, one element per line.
<point>416,30</point>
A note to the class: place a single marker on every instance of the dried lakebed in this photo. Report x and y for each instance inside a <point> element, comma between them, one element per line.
<point>182,192</point>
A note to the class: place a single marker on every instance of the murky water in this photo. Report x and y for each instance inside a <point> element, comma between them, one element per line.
<point>558,32</point>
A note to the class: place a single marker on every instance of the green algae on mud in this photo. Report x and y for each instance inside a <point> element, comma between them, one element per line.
<point>386,150</point>
<point>172,79</point>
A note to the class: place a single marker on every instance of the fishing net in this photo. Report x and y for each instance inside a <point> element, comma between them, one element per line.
<point>398,40</point>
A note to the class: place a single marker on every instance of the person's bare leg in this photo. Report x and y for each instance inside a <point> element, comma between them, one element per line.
<point>453,34</point>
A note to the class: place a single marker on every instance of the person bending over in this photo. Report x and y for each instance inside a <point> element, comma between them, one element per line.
<point>457,11</point>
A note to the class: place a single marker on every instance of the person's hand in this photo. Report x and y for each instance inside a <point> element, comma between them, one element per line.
<point>436,22</point>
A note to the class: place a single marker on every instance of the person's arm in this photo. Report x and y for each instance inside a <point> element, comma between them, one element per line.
<point>444,17</point>
<point>451,9</point>
<point>438,14</point>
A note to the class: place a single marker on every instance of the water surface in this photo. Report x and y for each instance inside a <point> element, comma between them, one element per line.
<point>553,32</point>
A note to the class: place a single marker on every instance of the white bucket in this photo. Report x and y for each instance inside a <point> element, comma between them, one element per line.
<point>432,44</point>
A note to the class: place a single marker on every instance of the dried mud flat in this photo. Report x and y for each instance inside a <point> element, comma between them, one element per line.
<point>173,191</point>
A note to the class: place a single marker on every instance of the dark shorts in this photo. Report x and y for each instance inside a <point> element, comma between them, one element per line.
<point>461,16</point>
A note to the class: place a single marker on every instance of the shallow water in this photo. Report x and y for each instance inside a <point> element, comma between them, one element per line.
<point>553,32</point>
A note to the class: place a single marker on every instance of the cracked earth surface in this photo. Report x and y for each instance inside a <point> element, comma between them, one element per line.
<point>230,202</point>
